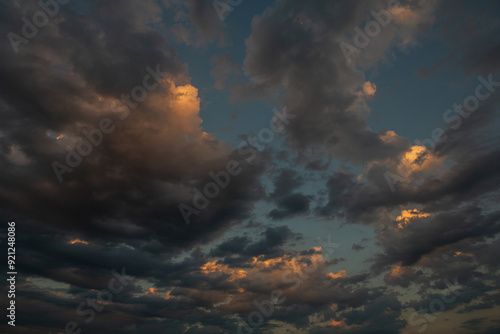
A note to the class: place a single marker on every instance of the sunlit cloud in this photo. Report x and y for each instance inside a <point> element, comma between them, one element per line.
<point>421,159</point>
<point>369,89</point>
<point>404,15</point>
<point>407,215</point>
<point>397,271</point>
<point>340,274</point>
<point>335,323</point>
<point>457,254</point>
<point>214,267</point>
<point>154,292</point>
<point>389,136</point>
<point>78,241</point>
<point>325,173</point>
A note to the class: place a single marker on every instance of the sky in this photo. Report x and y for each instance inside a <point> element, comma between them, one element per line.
<point>250,166</point>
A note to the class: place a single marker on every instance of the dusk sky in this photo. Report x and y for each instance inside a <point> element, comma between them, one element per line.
<point>250,166</point>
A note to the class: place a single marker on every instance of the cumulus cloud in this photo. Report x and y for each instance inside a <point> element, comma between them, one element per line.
<point>118,208</point>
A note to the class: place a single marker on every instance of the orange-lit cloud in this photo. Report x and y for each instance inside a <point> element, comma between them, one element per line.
<point>269,272</point>
<point>408,19</point>
<point>397,271</point>
<point>297,264</point>
<point>336,323</point>
<point>259,262</point>
<point>287,262</point>
<point>457,254</point>
<point>186,100</point>
<point>389,136</point>
<point>369,88</point>
<point>407,215</point>
<point>168,296</point>
<point>78,241</point>
<point>214,267</point>
<point>415,152</point>
<point>422,160</point>
<point>341,273</point>
<point>154,292</point>
<point>304,270</point>
<point>54,135</point>
<point>415,164</point>
<point>405,15</point>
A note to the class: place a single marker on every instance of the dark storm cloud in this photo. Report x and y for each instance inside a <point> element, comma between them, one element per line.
<point>274,237</point>
<point>459,265</point>
<point>285,182</point>
<point>316,295</point>
<point>129,187</point>
<point>357,247</point>
<point>378,315</point>
<point>457,224</point>
<point>383,311</point>
<point>87,269</point>
<point>119,208</point>
<point>339,186</point>
<point>270,245</point>
<point>472,152</point>
<point>233,246</point>
<point>318,165</point>
<point>463,259</point>
<point>289,206</point>
<point>423,237</point>
<point>122,200</point>
<point>295,45</point>
<point>472,324</point>
<point>404,278</point>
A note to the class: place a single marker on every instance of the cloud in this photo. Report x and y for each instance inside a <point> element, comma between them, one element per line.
<point>65,81</point>
<point>119,207</point>
<point>297,49</point>
<point>357,247</point>
<point>340,274</point>
<point>286,182</point>
<point>438,231</point>
<point>292,205</point>
<point>369,88</point>
<point>270,245</point>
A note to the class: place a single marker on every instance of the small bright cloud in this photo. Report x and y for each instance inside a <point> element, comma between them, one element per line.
<point>340,274</point>
<point>369,88</point>
<point>78,241</point>
<point>407,215</point>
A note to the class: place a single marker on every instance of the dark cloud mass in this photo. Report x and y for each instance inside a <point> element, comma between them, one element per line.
<point>154,190</point>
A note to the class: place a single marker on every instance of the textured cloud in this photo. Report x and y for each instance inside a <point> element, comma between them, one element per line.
<point>296,47</point>
<point>64,82</point>
<point>435,219</point>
